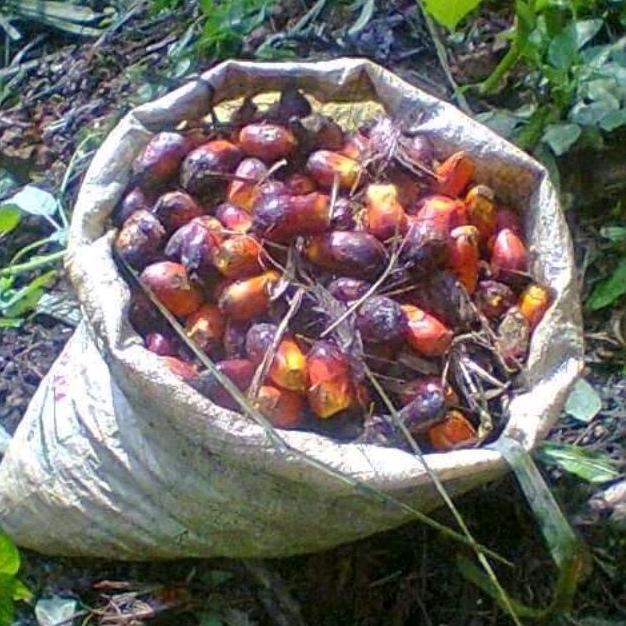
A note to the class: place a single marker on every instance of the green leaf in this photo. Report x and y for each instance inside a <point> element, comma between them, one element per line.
<point>21,592</point>
<point>583,402</point>
<point>593,466</point>
<point>616,234</point>
<point>500,121</point>
<point>9,556</point>
<point>590,114</point>
<point>613,120</point>
<point>367,10</point>
<point>563,49</point>
<point>609,290</point>
<point>586,30</point>
<point>33,200</point>
<point>561,137</point>
<point>7,606</point>
<point>450,13</point>
<point>9,218</point>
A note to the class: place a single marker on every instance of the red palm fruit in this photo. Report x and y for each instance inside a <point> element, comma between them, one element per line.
<point>347,289</point>
<point>464,255</point>
<point>194,245</point>
<point>508,255</point>
<point>325,166</point>
<point>533,303</point>
<point>455,174</point>
<point>248,297</point>
<point>238,256</point>
<point>410,390</point>
<point>381,320</point>
<point>493,298</point>
<point>204,167</point>
<point>356,254</point>
<point>282,408</point>
<point>440,214</point>
<point>425,333</point>
<point>170,284</point>
<point>186,371</point>
<point>423,248</point>
<point>300,184</point>
<point>132,201</point>
<point>454,432</point>
<point>160,344</point>
<point>244,193</point>
<point>482,211</point>
<point>330,386</point>
<point>140,239</point>
<point>159,161</point>
<point>427,407</point>
<point>288,369</point>
<point>507,218</point>
<point>259,339</point>
<point>239,371</point>
<point>513,337</point>
<point>356,147</point>
<point>206,327</point>
<point>385,217</point>
<point>233,218</point>
<point>174,209</point>
<point>268,142</point>
<point>344,215</point>
<point>282,218</point>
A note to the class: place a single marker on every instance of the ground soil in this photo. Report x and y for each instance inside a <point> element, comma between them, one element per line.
<point>405,576</point>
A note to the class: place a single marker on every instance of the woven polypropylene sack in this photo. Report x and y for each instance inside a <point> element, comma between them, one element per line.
<point>117,457</point>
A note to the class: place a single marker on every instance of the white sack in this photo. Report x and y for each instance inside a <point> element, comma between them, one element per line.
<point>116,457</point>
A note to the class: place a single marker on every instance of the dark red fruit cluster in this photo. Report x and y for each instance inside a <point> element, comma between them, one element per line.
<point>316,261</point>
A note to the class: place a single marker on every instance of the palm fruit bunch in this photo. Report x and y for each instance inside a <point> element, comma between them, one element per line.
<point>347,282</point>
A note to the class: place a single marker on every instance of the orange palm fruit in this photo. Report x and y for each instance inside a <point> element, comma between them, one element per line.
<point>288,369</point>
<point>454,174</point>
<point>385,217</point>
<point>330,386</point>
<point>238,256</point>
<point>325,166</point>
<point>239,371</point>
<point>206,327</point>
<point>282,408</point>
<point>482,211</point>
<point>268,142</point>
<point>425,333</point>
<point>159,161</point>
<point>440,214</point>
<point>244,193</point>
<point>248,297</point>
<point>533,303</point>
<point>464,255</point>
<point>170,284</point>
<point>508,255</point>
<point>453,432</point>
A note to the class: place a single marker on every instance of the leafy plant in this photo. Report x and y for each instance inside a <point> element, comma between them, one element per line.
<point>12,589</point>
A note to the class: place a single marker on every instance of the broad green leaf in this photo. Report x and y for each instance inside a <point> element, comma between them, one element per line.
<point>615,234</point>
<point>613,120</point>
<point>583,402</point>
<point>7,605</point>
<point>561,137</point>
<point>563,49</point>
<point>590,114</point>
<point>9,218</point>
<point>609,290</point>
<point>602,90</point>
<point>9,556</point>
<point>501,122</point>
<point>450,13</point>
<point>593,466</point>
<point>33,200</point>
<point>586,30</point>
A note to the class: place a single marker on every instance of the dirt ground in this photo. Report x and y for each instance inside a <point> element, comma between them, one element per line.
<point>401,577</point>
